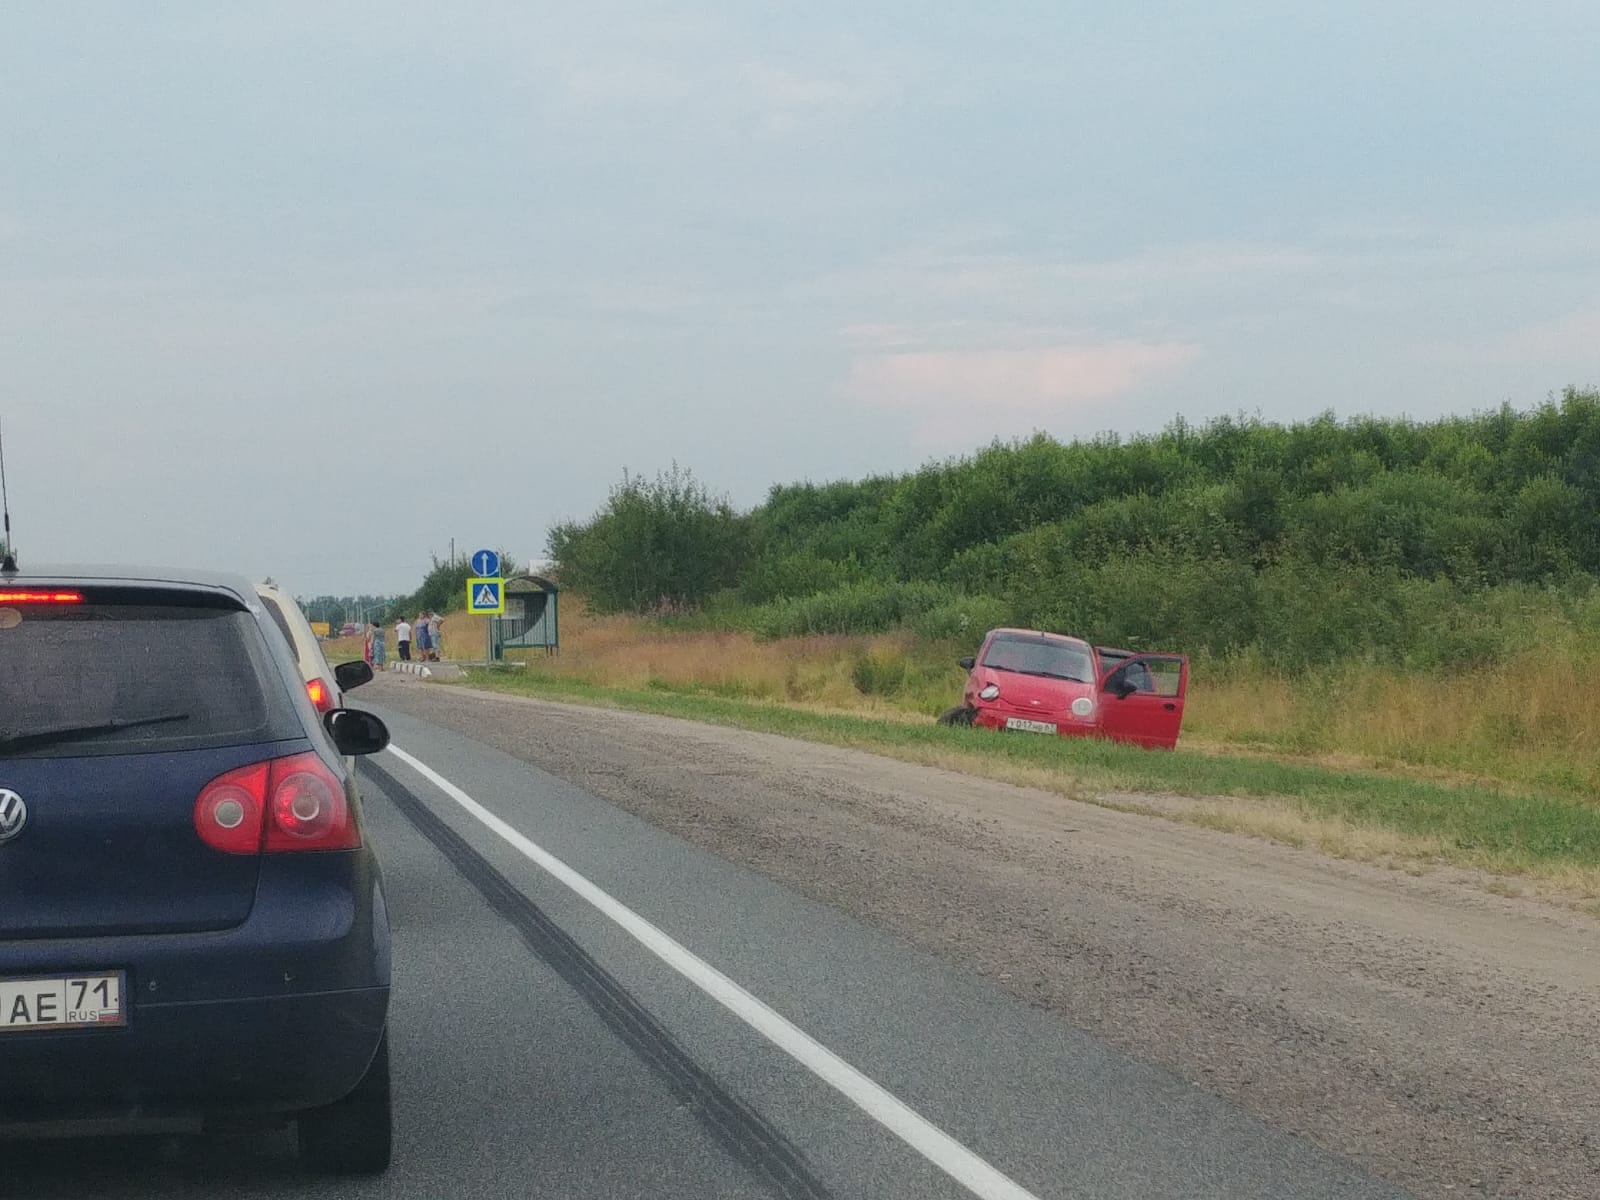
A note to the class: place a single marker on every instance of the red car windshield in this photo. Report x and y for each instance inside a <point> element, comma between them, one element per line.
<point>1040,656</point>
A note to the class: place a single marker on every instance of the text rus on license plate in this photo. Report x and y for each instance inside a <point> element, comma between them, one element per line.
<point>1030,726</point>
<point>93,999</point>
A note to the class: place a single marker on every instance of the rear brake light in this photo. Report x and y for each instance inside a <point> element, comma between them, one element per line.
<point>228,814</point>
<point>308,809</point>
<point>37,596</point>
<point>321,697</point>
<point>284,805</point>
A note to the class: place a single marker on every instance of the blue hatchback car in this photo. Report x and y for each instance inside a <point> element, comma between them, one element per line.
<point>192,922</point>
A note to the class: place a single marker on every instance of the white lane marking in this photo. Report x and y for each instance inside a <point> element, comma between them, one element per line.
<point>927,1139</point>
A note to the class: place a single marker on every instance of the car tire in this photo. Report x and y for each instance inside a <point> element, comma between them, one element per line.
<point>353,1136</point>
<point>959,715</point>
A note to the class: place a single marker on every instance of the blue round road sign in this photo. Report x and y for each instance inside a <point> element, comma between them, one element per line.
<point>485,562</point>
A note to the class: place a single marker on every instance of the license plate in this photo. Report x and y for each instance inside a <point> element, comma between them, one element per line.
<point>1027,726</point>
<point>93,1000</point>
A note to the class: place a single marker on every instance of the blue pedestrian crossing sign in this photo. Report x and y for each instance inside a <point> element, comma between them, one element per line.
<point>486,596</point>
<point>485,562</point>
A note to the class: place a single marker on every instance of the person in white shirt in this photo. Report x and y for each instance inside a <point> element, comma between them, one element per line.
<point>402,638</point>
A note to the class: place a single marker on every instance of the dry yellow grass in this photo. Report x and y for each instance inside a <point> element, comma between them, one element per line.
<point>1525,723</point>
<point>341,649</point>
<point>632,653</point>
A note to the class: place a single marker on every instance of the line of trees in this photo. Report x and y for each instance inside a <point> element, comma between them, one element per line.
<point>336,610</point>
<point>1415,540</point>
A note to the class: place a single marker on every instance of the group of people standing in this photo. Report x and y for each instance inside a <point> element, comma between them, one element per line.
<point>429,632</point>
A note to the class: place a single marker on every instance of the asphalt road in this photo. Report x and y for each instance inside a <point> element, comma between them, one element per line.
<point>541,1049</point>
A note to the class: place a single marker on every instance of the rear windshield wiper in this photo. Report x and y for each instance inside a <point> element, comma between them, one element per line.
<point>34,738</point>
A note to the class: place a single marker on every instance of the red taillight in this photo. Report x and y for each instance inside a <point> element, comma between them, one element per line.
<point>284,805</point>
<point>228,814</point>
<point>39,596</point>
<point>308,810</point>
<point>321,697</point>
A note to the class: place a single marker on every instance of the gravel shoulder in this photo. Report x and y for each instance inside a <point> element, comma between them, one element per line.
<point>1441,1035</point>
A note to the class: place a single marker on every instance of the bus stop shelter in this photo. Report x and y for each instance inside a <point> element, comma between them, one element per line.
<point>531,620</point>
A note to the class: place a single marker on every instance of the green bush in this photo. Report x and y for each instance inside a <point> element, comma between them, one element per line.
<point>1149,601</point>
<point>658,546</point>
<point>963,619</point>
<point>880,672</point>
<point>1430,544</point>
<point>784,576</point>
<point>866,607</point>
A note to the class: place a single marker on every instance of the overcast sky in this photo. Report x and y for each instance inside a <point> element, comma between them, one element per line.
<point>309,289</point>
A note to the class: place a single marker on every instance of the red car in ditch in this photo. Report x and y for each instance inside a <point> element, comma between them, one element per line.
<point>1027,681</point>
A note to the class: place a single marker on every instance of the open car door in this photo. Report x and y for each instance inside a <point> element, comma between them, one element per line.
<point>1141,700</point>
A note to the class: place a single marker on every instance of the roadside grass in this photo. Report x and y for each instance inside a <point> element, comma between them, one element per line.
<point>1527,723</point>
<point>1495,769</point>
<point>844,671</point>
<point>341,649</point>
<point>1374,816</point>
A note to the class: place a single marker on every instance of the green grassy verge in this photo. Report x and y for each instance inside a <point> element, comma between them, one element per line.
<point>1501,829</point>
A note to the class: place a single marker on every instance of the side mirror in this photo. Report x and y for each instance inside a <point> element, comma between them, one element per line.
<point>352,674</point>
<point>355,732</point>
<point>1117,685</point>
<point>967,663</point>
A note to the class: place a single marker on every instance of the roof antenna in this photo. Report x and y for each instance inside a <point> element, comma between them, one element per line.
<point>9,562</point>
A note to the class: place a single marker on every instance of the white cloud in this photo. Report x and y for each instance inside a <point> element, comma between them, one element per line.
<point>957,398</point>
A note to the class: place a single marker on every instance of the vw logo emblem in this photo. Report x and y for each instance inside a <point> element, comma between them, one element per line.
<point>13,814</point>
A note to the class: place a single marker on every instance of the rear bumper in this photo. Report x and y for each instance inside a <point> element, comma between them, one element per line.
<point>283,1012</point>
<point>276,1055</point>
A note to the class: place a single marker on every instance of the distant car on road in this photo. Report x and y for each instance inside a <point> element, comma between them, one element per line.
<point>325,685</point>
<point>192,922</point>
<point>1029,681</point>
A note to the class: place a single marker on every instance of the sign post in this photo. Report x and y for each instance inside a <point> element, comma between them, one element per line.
<point>486,596</point>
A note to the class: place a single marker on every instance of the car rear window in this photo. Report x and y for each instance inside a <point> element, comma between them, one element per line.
<point>96,663</point>
<point>281,620</point>
<point>1040,656</point>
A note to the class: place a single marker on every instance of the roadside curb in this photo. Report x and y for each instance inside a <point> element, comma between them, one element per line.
<point>442,671</point>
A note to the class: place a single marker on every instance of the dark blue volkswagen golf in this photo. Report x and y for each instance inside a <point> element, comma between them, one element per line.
<point>192,923</point>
